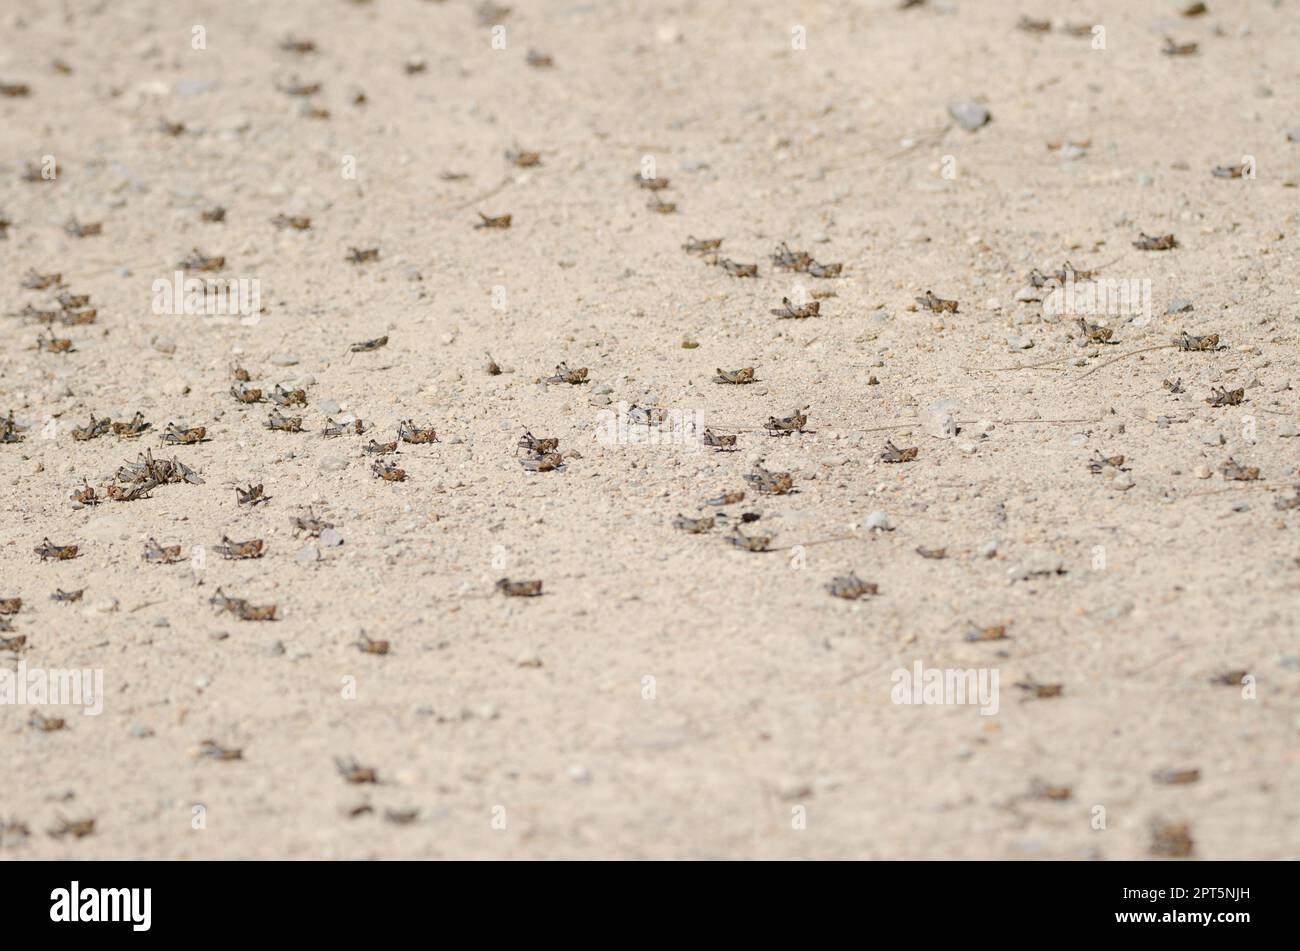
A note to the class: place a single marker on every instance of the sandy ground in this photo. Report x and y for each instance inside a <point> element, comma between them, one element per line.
<point>669,695</point>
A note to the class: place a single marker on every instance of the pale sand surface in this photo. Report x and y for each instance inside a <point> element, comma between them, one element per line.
<point>771,699</point>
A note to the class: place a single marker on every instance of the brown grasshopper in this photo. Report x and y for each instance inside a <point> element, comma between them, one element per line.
<point>310,524</point>
<point>1186,341</point>
<point>15,90</point>
<point>733,497</point>
<point>738,377</point>
<point>14,644</point>
<point>353,772</point>
<point>86,494</point>
<point>1283,505</point>
<point>1096,333</point>
<point>993,632</point>
<point>79,230</point>
<point>826,270</point>
<point>246,394</point>
<point>36,281</point>
<point>519,589</point>
<point>9,606</point>
<point>296,88</point>
<point>158,555</point>
<point>174,436</point>
<point>92,430</point>
<point>238,551</point>
<point>1228,171</point>
<point>523,158</point>
<point>213,215</point>
<point>936,554</point>
<point>794,423</point>
<point>659,206</point>
<point>694,526</point>
<point>142,491</point>
<point>1179,49</point>
<point>173,129</point>
<point>491,367</point>
<point>539,446</point>
<point>284,424</point>
<point>1162,242</point>
<point>374,448</point>
<point>1171,839</point>
<point>362,255</point>
<point>48,550</point>
<point>1220,397</point>
<point>76,828</point>
<point>368,646</point>
<point>892,453</point>
<point>1176,777</point>
<point>1232,472</point>
<point>282,397</point>
<point>408,432</point>
<point>788,310</point>
<point>388,472</point>
<point>755,543</point>
<point>851,587</point>
<point>770,483</point>
<point>211,749</point>
<point>251,496</point>
<point>500,222</point>
<point>539,60</point>
<point>67,597</point>
<point>1040,691</point>
<point>10,431</point>
<point>1029,25</point>
<point>543,462</point>
<point>719,443</point>
<point>367,346</point>
<point>695,245</point>
<point>242,609</point>
<point>291,44</point>
<point>295,222</point>
<point>53,344</point>
<point>563,374</point>
<point>1099,463</point>
<point>198,261</point>
<point>937,305</point>
<point>132,428</point>
<point>736,269</point>
<point>789,260</point>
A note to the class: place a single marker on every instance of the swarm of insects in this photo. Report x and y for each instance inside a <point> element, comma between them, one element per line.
<point>789,310</point>
<point>737,377</point>
<point>241,609</point>
<point>237,551</point>
<point>1232,472</point>
<point>563,374</point>
<point>294,222</point>
<point>770,483</point>
<point>408,432</point>
<point>362,255</point>
<point>251,496</point>
<point>1186,341</point>
<point>719,443</point>
<point>850,587</point>
<point>794,423</point>
<point>892,453</point>
<point>284,424</point>
<point>519,589</point>
<point>388,471</point>
<point>52,552</point>
<point>157,554</point>
<point>1220,397</point>
<point>693,526</point>
<point>696,245</point>
<point>500,222</point>
<point>937,305</point>
<point>368,646</point>
<point>1161,242</point>
<point>366,346</point>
